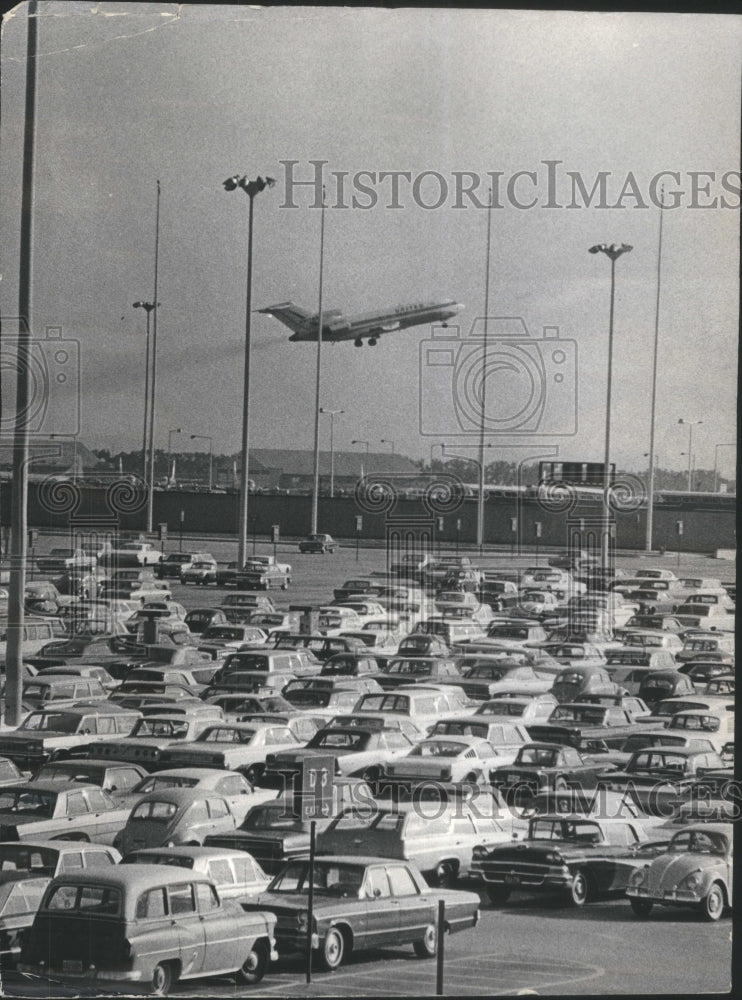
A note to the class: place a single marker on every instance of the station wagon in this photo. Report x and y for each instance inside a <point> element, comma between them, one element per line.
<point>144,924</point>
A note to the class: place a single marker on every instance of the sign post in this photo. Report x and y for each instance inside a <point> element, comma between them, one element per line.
<point>313,800</point>
<point>679,531</point>
<point>439,939</point>
<point>513,535</point>
<point>182,519</point>
<point>359,529</point>
<point>275,536</point>
<point>458,529</point>
<point>537,532</point>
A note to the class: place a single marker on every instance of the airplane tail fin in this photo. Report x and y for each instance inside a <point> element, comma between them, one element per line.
<point>294,317</point>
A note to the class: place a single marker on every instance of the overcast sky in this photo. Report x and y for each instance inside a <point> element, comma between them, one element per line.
<point>128,94</point>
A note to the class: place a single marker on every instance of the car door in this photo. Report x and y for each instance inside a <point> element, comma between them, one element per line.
<point>189,926</point>
<point>379,923</point>
<point>221,819</point>
<point>414,910</point>
<point>105,818</point>
<point>225,940</point>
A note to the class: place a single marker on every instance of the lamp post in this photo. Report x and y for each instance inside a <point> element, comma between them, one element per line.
<point>690,424</point>
<point>251,188</point>
<point>358,441</point>
<point>318,382</point>
<point>148,307</point>
<point>151,476</point>
<point>483,393</point>
<point>205,437</point>
<point>332,414</point>
<point>724,444</point>
<point>691,456</point>
<point>388,441</point>
<point>612,252</point>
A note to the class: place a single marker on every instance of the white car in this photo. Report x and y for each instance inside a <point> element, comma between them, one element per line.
<point>334,620</point>
<point>446,758</point>
<point>144,552</point>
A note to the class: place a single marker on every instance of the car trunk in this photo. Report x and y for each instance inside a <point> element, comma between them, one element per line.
<point>76,942</point>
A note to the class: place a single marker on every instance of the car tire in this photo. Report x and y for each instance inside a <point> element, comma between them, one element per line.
<point>426,948</point>
<point>162,979</point>
<point>579,891</point>
<point>253,772</point>
<point>444,875</point>
<point>333,949</point>
<point>560,785</point>
<point>498,894</point>
<point>255,965</point>
<point>641,907</point>
<point>712,906</point>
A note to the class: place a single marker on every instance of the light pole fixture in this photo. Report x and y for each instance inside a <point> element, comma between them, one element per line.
<point>205,437</point>
<point>176,430</point>
<point>612,252</point>
<point>724,444</point>
<point>690,424</point>
<point>148,307</point>
<point>388,441</point>
<point>251,189</point>
<point>332,414</point>
<point>358,441</point>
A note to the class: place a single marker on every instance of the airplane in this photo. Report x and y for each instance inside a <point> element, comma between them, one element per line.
<point>336,327</point>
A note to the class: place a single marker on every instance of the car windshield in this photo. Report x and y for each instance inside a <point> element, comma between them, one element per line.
<point>28,803</point>
<point>243,661</point>
<point>330,878</point>
<point>438,748</point>
<point>159,782</point>
<point>488,673</point>
<point>168,728</point>
<point>57,722</point>
<point>698,842</point>
<point>22,858</point>
<point>273,817</point>
<point>226,632</point>
<point>576,713</point>
<point>226,734</point>
<point>706,723</point>
<point>92,900</point>
<point>575,830</point>
<point>653,761</point>
<point>505,706</point>
<point>339,738</point>
<point>309,697</point>
<point>384,703</point>
<point>543,756</point>
<point>420,669</point>
<point>507,632</point>
<point>160,811</point>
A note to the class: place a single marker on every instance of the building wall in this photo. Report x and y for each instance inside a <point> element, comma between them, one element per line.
<point>69,506</point>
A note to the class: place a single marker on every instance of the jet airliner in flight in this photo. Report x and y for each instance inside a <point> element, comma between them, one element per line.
<point>337,327</point>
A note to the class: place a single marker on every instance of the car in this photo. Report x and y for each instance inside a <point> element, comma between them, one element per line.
<point>53,733</point>
<point>150,736</point>
<point>341,665</point>
<point>170,566</point>
<point>695,870</point>
<point>540,766</point>
<point>136,554</point>
<point>325,697</point>
<point>20,896</point>
<point>318,543</point>
<point>525,707</point>
<point>53,857</point>
<point>352,588</point>
<point>445,758</point>
<point>402,671</point>
<point>234,873</point>
<point>171,816</point>
<point>220,639</point>
<point>231,745</point>
<point>359,753</point>
<point>272,832</point>
<point>659,685</point>
<point>230,785</point>
<point>321,647</point>
<point>568,723</point>
<point>578,680</point>
<point>81,670</point>
<point>116,779</point>
<point>259,573</point>
<point>201,572</point>
<point>361,903</point>
<point>199,620</point>
<point>10,774</point>
<point>143,925</point>
<point>41,809</point>
<point>655,776</point>
<point>60,691</point>
<point>484,676</point>
<point>701,672</point>
<point>582,858</point>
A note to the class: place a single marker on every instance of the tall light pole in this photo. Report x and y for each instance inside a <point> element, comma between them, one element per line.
<point>613,252</point>
<point>483,400</point>
<point>151,478</point>
<point>358,441</point>
<point>388,441</point>
<point>251,188</point>
<point>318,383</point>
<point>690,424</point>
<point>650,498</point>
<point>205,437</point>
<point>148,307</point>
<point>332,414</point>
<point>724,444</point>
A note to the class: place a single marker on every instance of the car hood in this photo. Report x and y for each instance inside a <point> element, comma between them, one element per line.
<point>668,870</point>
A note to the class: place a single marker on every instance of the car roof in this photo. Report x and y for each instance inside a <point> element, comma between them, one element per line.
<point>190,772</point>
<point>91,763</point>
<point>55,845</point>
<point>179,796</point>
<point>193,851</point>
<point>49,786</point>
<point>129,876</point>
<point>722,828</point>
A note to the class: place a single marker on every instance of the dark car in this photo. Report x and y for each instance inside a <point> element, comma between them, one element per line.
<point>351,588</point>
<point>658,685</point>
<point>199,619</point>
<point>20,897</point>
<point>271,832</point>
<point>350,665</point>
<point>540,766</point>
<point>418,670</point>
<point>580,857</point>
<point>359,753</point>
<point>361,903</point>
<point>318,543</point>
<point>43,809</point>
<point>656,776</point>
<point>422,644</point>
<point>114,778</point>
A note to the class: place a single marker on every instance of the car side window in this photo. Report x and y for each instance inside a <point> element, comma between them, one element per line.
<point>106,724</point>
<point>151,904</point>
<point>76,804</point>
<point>376,885</point>
<point>401,881</point>
<point>244,869</point>
<point>207,897</point>
<point>234,784</point>
<point>220,871</point>
<point>126,777</point>
<point>71,862</point>
<point>218,808</point>
<point>571,757</point>
<point>181,899</point>
<point>98,859</point>
<point>197,813</point>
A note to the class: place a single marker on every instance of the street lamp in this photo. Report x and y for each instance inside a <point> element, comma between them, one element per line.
<point>612,252</point>
<point>205,437</point>
<point>690,424</point>
<point>176,430</point>
<point>251,188</point>
<point>358,441</point>
<point>332,414</point>
<point>724,444</point>
<point>148,307</point>
<point>388,441</point>
<point>691,456</point>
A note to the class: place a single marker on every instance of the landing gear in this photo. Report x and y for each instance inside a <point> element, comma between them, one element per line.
<point>372,342</point>
<point>358,342</point>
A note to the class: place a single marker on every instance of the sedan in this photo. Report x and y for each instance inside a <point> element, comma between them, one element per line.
<point>361,903</point>
<point>445,758</point>
<point>318,543</point>
<point>540,766</point>
<point>41,809</point>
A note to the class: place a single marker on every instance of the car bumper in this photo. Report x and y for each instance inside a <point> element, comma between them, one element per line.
<point>543,880</point>
<point>290,941</point>
<point>668,896</point>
